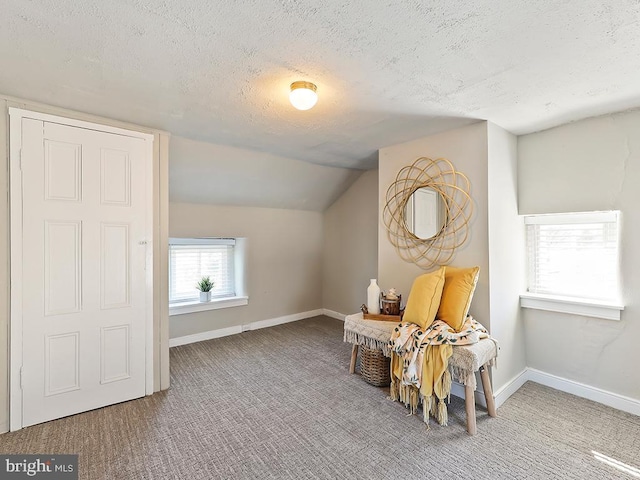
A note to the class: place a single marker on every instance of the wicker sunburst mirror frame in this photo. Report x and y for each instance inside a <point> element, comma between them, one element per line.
<point>453,187</point>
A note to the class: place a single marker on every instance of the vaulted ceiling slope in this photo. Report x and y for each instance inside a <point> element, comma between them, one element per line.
<point>387,72</point>
<point>202,172</point>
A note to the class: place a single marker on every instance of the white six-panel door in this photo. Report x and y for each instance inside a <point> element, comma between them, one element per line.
<point>84,213</point>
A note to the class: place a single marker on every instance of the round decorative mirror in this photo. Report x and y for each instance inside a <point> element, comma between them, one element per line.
<point>425,213</point>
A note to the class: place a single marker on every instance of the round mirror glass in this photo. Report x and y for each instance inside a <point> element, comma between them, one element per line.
<point>424,214</point>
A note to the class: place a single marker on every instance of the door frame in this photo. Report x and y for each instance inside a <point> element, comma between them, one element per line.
<point>16,279</point>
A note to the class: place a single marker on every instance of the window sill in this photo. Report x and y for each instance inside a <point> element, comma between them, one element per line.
<point>216,303</point>
<point>586,308</point>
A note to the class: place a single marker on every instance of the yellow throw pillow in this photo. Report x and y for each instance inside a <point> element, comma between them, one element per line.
<point>459,285</point>
<point>424,298</point>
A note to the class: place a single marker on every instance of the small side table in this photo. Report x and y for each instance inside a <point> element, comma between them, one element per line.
<point>464,362</point>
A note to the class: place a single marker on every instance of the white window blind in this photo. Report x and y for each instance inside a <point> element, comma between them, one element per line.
<point>190,259</point>
<point>574,255</point>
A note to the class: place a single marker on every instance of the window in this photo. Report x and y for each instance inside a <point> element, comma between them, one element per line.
<point>190,259</point>
<point>575,258</point>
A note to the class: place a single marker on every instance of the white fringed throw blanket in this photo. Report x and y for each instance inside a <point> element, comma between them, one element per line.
<point>420,360</point>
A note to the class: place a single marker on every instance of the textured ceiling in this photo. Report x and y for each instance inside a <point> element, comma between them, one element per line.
<point>387,72</point>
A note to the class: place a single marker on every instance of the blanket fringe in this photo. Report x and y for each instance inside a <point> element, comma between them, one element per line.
<point>442,416</point>
<point>413,400</point>
<point>393,389</point>
<point>446,383</point>
<point>359,339</point>
<point>407,394</point>
<point>465,377</point>
<point>426,406</point>
<point>494,361</point>
<point>434,408</point>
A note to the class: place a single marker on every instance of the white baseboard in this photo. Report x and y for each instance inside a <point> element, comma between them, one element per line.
<point>620,402</point>
<point>199,337</point>
<point>511,387</point>
<point>271,322</point>
<point>614,400</point>
<point>224,332</point>
<point>333,314</point>
<point>457,389</point>
<point>500,395</point>
<point>4,427</point>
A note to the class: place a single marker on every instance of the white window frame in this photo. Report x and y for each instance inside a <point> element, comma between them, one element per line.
<point>241,298</point>
<point>606,309</point>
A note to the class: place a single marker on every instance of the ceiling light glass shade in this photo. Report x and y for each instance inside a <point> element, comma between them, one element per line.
<point>303,95</point>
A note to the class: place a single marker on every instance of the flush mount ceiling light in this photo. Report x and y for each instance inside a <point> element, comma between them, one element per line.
<point>303,95</point>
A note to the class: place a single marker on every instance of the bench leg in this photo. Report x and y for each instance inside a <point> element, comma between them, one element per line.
<point>470,405</point>
<point>354,356</point>
<point>488,393</point>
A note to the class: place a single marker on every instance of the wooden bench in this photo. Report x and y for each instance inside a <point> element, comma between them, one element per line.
<point>465,361</point>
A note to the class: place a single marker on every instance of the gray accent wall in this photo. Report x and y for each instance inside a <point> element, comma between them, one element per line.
<point>592,164</point>
<point>283,261</point>
<point>351,246</point>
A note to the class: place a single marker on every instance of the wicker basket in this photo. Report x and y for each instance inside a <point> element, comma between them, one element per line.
<point>374,367</point>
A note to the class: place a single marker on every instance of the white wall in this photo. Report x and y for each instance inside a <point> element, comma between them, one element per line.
<point>351,246</point>
<point>593,164</point>
<point>284,261</point>
<point>466,148</point>
<point>507,268</point>
<point>4,267</point>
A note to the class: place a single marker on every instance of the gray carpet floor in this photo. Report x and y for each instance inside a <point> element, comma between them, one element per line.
<point>280,403</point>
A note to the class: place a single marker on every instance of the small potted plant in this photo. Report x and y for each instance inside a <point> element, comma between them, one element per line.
<point>205,285</point>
